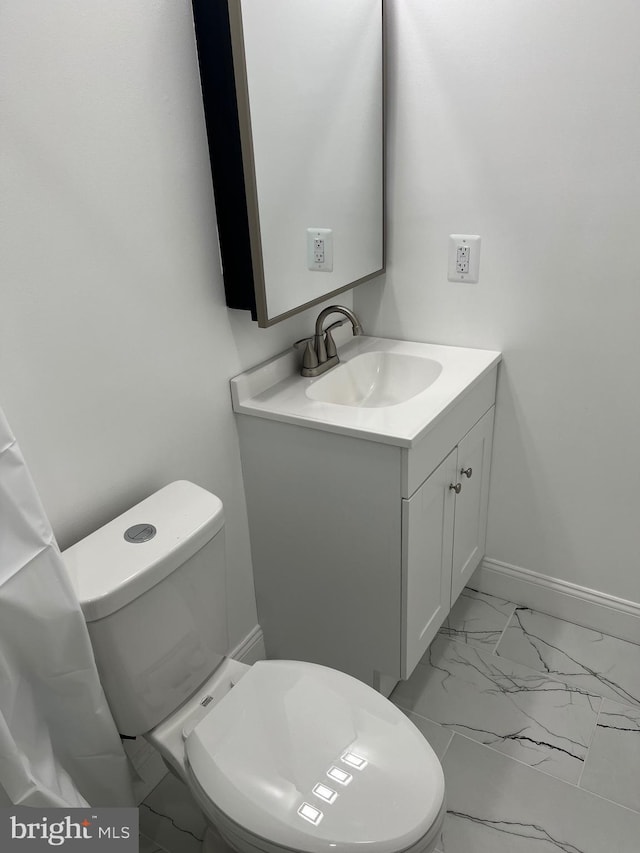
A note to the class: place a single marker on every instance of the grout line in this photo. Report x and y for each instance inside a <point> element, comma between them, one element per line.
<point>502,633</point>
<point>159,847</point>
<point>157,785</point>
<point>453,734</point>
<point>517,760</point>
<point>593,734</point>
<point>549,775</point>
<point>607,800</point>
<point>422,716</point>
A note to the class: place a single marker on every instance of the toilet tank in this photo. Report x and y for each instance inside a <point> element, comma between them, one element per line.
<point>152,587</point>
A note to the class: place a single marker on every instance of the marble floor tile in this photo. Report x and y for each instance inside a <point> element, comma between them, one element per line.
<point>497,805</point>
<point>439,737</point>
<point>148,768</point>
<point>146,845</point>
<point>612,768</point>
<point>478,619</point>
<point>536,719</point>
<point>596,662</point>
<point>216,843</point>
<point>170,817</point>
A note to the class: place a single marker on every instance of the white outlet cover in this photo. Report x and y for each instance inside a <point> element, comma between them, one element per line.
<point>459,241</point>
<point>326,236</point>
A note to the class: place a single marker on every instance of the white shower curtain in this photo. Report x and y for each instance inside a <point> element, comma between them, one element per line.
<point>58,742</point>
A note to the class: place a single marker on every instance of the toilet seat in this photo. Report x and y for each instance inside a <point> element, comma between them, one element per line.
<point>302,757</point>
<point>241,840</point>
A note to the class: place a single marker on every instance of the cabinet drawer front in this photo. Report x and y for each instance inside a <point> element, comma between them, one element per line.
<point>427,542</point>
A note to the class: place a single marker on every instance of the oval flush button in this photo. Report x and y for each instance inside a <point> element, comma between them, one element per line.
<point>140,533</point>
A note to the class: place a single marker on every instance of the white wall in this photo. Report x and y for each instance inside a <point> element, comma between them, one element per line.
<point>514,119</point>
<point>518,120</point>
<point>115,343</point>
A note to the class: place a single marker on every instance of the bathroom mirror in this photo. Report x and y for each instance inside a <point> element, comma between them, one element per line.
<point>293,100</point>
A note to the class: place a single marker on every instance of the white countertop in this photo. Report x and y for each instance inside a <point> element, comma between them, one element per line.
<point>275,390</point>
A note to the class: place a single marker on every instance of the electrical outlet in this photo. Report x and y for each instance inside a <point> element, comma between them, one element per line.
<point>464,258</point>
<point>320,249</point>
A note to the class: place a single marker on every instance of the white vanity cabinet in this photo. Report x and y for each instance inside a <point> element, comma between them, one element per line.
<point>359,543</point>
<point>443,537</point>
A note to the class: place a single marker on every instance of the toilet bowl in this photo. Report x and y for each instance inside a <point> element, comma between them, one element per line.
<point>281,755</point>
<point>298,756</point>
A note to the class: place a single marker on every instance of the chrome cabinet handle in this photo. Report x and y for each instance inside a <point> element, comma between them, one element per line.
<point>467,472</point>
<point>457,488</point>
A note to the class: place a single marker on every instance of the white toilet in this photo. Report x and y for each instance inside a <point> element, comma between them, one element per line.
<point>281,755</point>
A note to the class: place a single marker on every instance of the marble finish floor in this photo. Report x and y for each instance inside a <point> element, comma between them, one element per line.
<point>536,722</point>
<point>170,820</point>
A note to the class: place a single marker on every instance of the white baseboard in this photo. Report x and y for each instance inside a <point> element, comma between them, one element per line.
<point>251,649</point>
<point>581,605</point>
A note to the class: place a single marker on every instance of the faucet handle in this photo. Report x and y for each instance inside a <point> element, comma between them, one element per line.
<point>329,343</point>
<point>320,348</point>
<point>309,358</point>
<point>302,342</point>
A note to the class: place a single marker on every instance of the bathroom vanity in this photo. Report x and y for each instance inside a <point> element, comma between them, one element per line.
<point>368,515</point>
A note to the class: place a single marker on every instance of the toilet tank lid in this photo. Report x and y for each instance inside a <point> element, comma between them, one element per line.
<point>108,571</point>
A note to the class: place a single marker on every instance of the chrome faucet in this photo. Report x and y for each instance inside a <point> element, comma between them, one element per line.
<point>320,352</point>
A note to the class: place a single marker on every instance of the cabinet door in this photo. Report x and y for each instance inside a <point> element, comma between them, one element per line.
<point>427,539</point>
<point>470,531</point>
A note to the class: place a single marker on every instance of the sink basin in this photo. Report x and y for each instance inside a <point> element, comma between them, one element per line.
<point>383,390</point>
<point>375,379</point>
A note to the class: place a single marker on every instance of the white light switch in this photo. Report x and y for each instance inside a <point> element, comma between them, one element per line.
<point>464,258</point>
<point>320,249</point>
